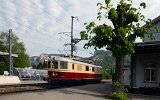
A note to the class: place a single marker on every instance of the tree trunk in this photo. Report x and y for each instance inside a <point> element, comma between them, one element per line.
<point>119,73</point>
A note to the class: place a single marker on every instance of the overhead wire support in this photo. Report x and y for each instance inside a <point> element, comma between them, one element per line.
<point>10,53</point>
<point>72,35</point>
<point>73,40</point>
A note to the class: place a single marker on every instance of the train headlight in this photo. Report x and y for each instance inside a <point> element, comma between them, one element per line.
<point>53,74</point>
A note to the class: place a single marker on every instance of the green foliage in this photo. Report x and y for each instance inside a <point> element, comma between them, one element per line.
<point>117,84</point>
<point>3,65</point>
<point>143,4</point>
<point>118,96</point>
<point>120,38</point>
<point>106,75</point>
<point>22,60</point>
<point>17,48</point>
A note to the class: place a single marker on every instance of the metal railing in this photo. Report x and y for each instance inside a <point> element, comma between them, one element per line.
<point>27,74</point>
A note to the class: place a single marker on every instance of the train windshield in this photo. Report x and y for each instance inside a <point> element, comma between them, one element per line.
<point>63,65</point>
<point>53,64</point>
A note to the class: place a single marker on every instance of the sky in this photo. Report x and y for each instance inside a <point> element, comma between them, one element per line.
<point>38,23</point>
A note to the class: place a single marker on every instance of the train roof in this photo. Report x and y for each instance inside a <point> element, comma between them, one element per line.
<point>71,60</point>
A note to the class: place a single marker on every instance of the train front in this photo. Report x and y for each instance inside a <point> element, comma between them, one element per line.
<point>55,73</point>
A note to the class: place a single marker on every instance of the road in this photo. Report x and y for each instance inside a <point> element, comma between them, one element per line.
<point>83,92</point>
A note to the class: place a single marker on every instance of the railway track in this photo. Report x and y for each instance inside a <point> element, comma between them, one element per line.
<point>24,87</point>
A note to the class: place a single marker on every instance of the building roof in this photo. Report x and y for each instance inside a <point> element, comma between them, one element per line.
<point>6,54</point>
<point>157,19</point>
<point>154,21</point>
<point>147,47</point>
<point>152,43</point>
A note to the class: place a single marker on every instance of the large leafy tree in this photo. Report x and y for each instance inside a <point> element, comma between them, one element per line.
<point>121,35</point>
<point>17,48</point>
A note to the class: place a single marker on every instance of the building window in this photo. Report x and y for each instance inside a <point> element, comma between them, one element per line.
<point>87,68</point>
<point>150,73</point>
<point>73,66</point>
<point>63,65</point>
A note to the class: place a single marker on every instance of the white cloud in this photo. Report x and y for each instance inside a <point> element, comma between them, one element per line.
<point>38,22</point>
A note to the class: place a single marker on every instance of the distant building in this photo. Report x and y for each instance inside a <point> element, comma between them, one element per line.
<point>5,55</point>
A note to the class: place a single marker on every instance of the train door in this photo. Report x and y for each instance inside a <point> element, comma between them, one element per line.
<point>64,67</point>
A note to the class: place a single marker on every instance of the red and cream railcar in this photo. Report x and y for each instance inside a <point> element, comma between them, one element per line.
<point>67,70</point>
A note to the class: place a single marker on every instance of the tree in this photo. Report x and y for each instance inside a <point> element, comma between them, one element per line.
<point>17,48</point>
<point>119,37</point>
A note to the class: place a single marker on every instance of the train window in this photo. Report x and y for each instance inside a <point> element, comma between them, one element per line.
<point>54,64</point>
<point>87,68</point>
<point>73,66</point>
<point>92,69</point>
<point>63,65</point>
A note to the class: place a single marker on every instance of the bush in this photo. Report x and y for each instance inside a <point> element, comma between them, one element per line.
<point>3,67</point>
<point>118,96</point>
<point>106,75</point>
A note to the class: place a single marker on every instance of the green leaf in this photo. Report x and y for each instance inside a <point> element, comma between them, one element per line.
<point>143,4</point>
<point>99,4</point>
<point>151,36</point>
<point>84,35</point>
<point>107,2</point>
<point>157,30</point>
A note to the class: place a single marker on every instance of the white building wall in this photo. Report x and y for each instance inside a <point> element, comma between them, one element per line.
<point>140,69</point>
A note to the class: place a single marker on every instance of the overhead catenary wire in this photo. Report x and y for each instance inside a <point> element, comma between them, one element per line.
<point>50,16</point>
<point>57,19</point>
<point>31,28</point>
<point>35,29</point>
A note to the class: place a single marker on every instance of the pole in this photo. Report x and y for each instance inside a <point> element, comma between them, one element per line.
<point>10,53</point>
<point>72,36</point>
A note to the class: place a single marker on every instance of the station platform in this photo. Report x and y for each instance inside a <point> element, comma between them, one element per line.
<point>14,80</point>
<point>32,82</point>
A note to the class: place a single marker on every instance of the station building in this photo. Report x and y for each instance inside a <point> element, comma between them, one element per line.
<point>145,62</point>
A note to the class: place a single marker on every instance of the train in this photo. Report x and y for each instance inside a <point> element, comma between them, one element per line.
<point>67,70</point>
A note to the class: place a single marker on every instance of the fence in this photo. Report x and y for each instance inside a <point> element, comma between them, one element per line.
<point>30,74</point>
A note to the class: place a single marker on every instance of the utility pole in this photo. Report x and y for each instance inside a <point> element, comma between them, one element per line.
<point>72,40</point>
<point>10,53</point>
<point>72,36</point>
